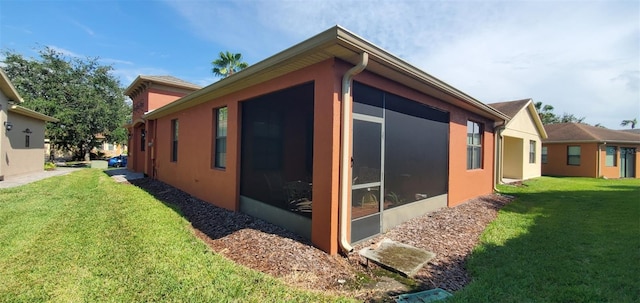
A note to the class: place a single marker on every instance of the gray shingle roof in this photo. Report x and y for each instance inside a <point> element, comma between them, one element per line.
<point>171,80</point>
<point>510,108</point>
<point>577,132</point>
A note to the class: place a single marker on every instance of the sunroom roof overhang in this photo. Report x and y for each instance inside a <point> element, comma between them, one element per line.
<point>339,43</point>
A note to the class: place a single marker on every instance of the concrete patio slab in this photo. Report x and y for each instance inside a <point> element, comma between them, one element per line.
<point>402,258</point>
<point>123,175</point>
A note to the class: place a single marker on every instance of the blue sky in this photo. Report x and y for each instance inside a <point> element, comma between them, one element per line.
<point>582,57</point>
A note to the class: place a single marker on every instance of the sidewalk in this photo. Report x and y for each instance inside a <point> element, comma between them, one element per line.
<point>19,180</point>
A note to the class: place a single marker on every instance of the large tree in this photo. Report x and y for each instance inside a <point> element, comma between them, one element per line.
<point>81,93</point>
<point>228,63</point>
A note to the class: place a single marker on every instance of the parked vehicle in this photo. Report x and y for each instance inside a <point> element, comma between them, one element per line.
<point>118,161</point>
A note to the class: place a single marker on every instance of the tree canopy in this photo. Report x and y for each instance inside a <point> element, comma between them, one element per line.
<point>228,63</point>
<point>81,93</point>
<point>545,111</point>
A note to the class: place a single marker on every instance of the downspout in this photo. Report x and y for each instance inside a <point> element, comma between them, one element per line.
<point>345,157</point>
<point>497,161</point>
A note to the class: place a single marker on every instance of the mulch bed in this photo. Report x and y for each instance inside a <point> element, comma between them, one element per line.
<point>451,233</point>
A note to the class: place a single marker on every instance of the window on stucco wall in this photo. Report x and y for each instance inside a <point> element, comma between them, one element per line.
<point>174,140</point>
<point>532,151</point>
<point>143,135</point>
<point>611,159</point>
<point>474,145</point>
<point>220,155</point>
<point>27,142</point>
<point>573,155</point>
<point>544,154</point>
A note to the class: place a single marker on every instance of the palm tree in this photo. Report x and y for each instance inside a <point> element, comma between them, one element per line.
<point>632,122</point>
<point>228,63</point>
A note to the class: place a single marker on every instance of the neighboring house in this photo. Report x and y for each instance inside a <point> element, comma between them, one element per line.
<point>22,139</point>
<point>576,149</point>
<point>149,93</point>
<point>520,141</point>
<point>333,138</point>
<point>108,150</point>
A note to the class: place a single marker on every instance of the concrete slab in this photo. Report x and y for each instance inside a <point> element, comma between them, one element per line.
<point>123,175</point>
<point>402,258</point>
<point>432,295</point>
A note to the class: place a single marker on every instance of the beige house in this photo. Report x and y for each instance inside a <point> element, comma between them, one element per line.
<point>22,133</point>
<point>520,142</point>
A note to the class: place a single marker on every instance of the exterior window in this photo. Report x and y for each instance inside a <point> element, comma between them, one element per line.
<point>474,145</point>
<point>143,135</point>
<point>544,154</point>
<point>174,140</point>
<point>532,151</point>
<point>220,156</point>
<point>612,159</point>
<point>573,155</point>
<point>27,143</point>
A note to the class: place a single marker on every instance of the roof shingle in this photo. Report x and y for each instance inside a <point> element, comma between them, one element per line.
<point>578,132</point>
<point>510,108</point>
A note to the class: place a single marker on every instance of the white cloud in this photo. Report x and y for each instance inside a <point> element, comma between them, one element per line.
<point>581,57</point>
<point>63,51</point>
<point>85,28</point>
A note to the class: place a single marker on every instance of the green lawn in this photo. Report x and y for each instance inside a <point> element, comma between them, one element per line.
<point>84,238</point>
<point>562,240</point>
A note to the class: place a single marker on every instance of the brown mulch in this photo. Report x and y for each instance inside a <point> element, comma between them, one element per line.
<point>451,233</point>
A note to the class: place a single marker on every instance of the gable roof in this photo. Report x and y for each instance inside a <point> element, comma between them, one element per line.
<point>164,80</point>
<point>578,132</point>
<point>339,43</point>
<point>8,89</point>
<point>512,108</point>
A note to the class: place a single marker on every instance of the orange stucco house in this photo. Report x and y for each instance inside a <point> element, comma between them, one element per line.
<point>333,138</point>
<point>581,150</point>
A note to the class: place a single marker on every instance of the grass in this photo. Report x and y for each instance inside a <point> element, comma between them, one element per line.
<point>84,238</point>
<point>562,240</point>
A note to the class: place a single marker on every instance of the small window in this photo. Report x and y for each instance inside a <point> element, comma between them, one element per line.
<point>143,135</point>
<point>532,151</point>
<point>27,142</point>
<point>474,145</point>
<point>220,156</point>
<point>544,154</point>
<point>573,155</point>
<point>612,156</point>
<point>174,140</point>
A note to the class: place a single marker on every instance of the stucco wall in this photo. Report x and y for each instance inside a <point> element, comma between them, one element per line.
<point>614,171</point>
<point>4,141</point>
<point>193,171</point>
<point>516,164</point>
<point>513,157</point>
<point>16,157</point>
<point>557,160</point>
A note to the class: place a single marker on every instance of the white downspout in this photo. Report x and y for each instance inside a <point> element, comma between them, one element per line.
<point>499,149</point>
<point>345,157</point>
